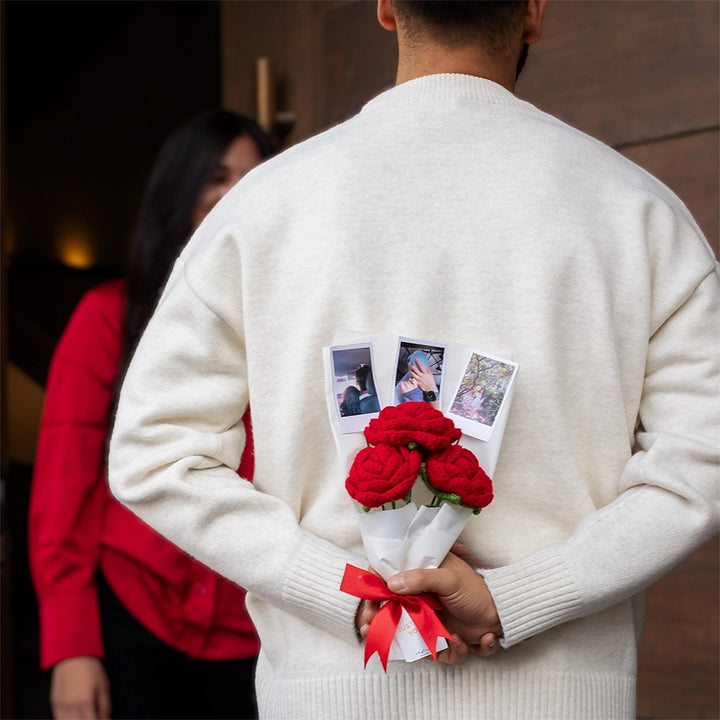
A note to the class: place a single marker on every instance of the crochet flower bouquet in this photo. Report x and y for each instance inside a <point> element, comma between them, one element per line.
<point>406,442</point>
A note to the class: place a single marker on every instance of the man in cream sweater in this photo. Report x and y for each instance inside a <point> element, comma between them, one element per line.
<point>479,220</point>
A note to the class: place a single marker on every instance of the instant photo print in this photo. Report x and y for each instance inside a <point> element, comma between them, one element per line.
<point>427,356</point>
<point>483,394</point>
<point>354,386</point>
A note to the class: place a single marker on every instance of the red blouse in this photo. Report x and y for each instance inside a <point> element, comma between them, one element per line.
<point>77,527</point>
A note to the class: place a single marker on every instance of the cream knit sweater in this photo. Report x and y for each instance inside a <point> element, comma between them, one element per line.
<point>449,210</point>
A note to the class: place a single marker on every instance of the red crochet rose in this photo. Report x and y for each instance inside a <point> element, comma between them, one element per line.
<point>382,474</point>
<point>412,422</point>
<point>455,476</point>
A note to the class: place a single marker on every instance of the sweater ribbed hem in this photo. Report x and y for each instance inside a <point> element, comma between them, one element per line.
<point>532,596</point>
<point>451,693</point>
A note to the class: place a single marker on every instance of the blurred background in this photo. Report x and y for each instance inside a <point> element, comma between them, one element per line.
<point>91,88</point>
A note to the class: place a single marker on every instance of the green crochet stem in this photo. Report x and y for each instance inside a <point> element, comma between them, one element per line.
<point>405,501</point>
<point>439,497</point>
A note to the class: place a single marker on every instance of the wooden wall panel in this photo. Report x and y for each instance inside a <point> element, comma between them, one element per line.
<point>328,56</point>
<point>625,71</point>
<point>291,35</point>
<point>678,669</point>
<point>361,59</point>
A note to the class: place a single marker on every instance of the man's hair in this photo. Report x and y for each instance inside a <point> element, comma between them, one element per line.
<point>461,22</point>
<point>361,376</point>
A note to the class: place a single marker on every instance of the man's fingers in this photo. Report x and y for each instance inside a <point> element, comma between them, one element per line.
<point>365,614</point>
<point>455,653</point>
<point>487,646</point>
<point>413,582</point>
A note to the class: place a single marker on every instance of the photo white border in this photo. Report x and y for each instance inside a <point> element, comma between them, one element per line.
<point>353,423</point>
<point>472,427</point>
<point>421,344</point>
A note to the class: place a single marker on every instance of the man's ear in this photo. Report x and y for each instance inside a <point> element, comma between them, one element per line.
<point>386,15</point>
<point>532,30</point>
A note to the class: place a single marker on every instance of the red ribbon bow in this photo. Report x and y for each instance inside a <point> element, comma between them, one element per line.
<point>421,608</point>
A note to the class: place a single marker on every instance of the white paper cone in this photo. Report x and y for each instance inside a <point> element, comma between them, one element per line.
<point>384,534</point>
<point>433,532</point>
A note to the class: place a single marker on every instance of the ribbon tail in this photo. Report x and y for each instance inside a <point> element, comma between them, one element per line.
<point>421,608</point>
<point>428,624</point>
<point>381,633</point>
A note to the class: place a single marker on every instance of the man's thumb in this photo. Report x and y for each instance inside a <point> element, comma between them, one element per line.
<point>397,583</point>
<point>412,582</point>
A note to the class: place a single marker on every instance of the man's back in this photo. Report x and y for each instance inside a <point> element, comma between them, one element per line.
<point>449,211</point>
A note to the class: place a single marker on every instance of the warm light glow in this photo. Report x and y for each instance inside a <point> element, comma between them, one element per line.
<point>9,238</point>
<point>75,249</point>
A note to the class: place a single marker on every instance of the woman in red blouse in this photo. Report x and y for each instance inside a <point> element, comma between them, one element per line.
<point>131,626</point>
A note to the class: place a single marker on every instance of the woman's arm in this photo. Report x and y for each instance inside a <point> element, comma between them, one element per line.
<point>68,489</point>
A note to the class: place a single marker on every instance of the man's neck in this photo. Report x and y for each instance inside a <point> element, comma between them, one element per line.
<point>413,64</point>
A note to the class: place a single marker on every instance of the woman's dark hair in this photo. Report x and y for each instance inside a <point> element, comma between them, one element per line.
<point>350,404</point>
<point>183,167</point>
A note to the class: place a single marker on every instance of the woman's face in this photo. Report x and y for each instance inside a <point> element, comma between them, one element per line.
<point>241,156</point>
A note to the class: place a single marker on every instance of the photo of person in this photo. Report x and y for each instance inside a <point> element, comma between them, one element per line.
<point>367,399</point>
<point>483,388</point>
<point>419,373</point>
<point>354,386</point>
<point>350,402</point>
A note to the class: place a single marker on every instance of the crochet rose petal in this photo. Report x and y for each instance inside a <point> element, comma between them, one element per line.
<point>455,471</point>
<point>413,422</point>
<point>382,474</point>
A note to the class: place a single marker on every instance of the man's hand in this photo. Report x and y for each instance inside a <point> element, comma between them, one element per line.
<point>422,376</point>
<point>470,612</point>
<point>80,690</point>
<point>366,612</point>
<point>407,386</point>
<point>454,654</point>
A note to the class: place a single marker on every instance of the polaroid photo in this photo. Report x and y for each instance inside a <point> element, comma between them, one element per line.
<point>354,386</point>
<point>483,394</point>
<point>418,372</point>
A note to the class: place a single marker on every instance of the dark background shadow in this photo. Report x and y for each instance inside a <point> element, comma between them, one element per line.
<point>90,90</point>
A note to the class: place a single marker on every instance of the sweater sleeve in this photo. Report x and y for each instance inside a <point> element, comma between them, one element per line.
<point>668,492</point>
<point>173,459</point>
<point>68,488</point>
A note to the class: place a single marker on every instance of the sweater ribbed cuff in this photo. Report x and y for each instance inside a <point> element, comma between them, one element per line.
<point>312,588</point>
<point>532,595</point>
